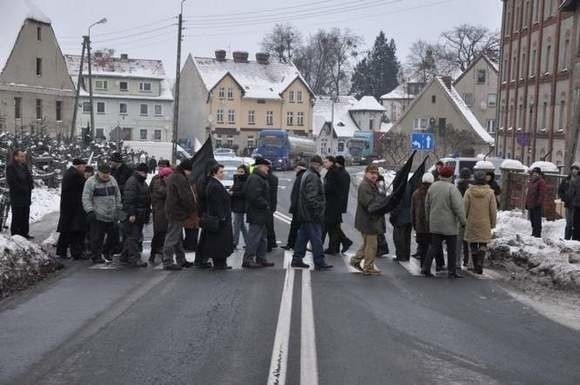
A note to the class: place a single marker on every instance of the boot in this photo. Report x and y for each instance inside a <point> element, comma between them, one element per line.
<point>478,258</point>
<point>249,263</point>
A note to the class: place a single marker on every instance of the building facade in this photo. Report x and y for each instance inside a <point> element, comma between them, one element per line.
<point>234,99</point>
<point>478,87</point>
<point>132,99</point>
<point>36,90</point>
<point>539,54</point>
<point>397,101</point>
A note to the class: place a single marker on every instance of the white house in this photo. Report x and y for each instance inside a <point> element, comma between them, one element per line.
<point>368,113</point>
<point>397,101</point>
<point>131,97</point>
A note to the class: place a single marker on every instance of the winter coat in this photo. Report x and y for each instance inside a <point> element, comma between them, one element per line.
<point>311,199</point>
<point>72,216</point>
<point>122,175</point>
<point>102,198</point>
<point>19,179</point>
<point>136,200</point>
<point>463,185</point>
<point>238,198</point>
<point>257,193</point>
<point>179,202</point>
<point>273,183</point>
<point>295,192</point>
<point>219,244</point>
<point>157,194</point>
<point>418,215</point>
<point>333,191</point>
<point>444,208</point>
<point>563,189</point>
<point>364,221</point>
<point>344,187</point>
<point>536,193</point>
<point>152,165</point>
<point>481,212</point>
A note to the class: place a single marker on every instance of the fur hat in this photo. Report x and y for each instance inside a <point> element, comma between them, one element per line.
<point>261,161</point>
<point>428,178</point>
<point>465,173</point>
<point>116,157</point>
<point>142,167</point>
<point>479,176</point>
<point>446,172</point>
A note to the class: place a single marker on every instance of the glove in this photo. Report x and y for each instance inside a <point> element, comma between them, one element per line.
<point>91,216</point>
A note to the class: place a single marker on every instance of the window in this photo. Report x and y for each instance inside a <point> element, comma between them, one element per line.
<point>38,109</point>
<point>123,86</point>
<point>300,119</point>
<point>218,141</point>
<point>158,110</point>
<point>531,118</point>
<point>144,109</point>
<point>143,134</point>
<point>101,84</point>
<point>544,117</point>
<point>340,146</point>
<point>251,143</point>
<point>17,108</point>
<point>491,100</point>
<point>222,92</point>
<point>38,66</point>
<point>270,118</point>
<point>230,93</point>
<point>535,10</point>
<point>547,59</point>
<point>491,126</point>
<point>38,33</point>
<point>86,108</point>
<point>433,99</point>
<point>290,118</point>
<point>562,115</point>
<point>219,115</point>
<point>517,19</point>
<point>59,111</point>
<point>420,123</point>
<point>533,62</point>
<point>371,124</point>
<point>550,6</point>
<point>230,141</point>
<point>145,87</point>
<point>468,99</point>
<point>504,70</point>
<point>514,68</point>
<point>252,117</point>
<point>523,65</point>
<point>100,107</point>
<point>122,108</point>
<point>291,96</point>
<point>299,96</point>
<point>526,9</point>
<point>231,116</point>
<point>100,133</point>
<point>565,54</point>
<point>157,135</point>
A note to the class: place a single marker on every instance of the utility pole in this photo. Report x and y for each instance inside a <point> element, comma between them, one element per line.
<point>80,79</point>
<point>176,97</point>
<point>90,87</point>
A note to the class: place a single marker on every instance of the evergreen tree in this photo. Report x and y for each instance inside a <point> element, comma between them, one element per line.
<point>377,73</point>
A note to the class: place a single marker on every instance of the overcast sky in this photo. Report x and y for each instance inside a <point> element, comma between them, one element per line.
<point>143,28</point>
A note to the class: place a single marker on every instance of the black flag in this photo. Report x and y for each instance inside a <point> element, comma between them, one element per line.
<point>399,186</point>
<point>201,160</point>
<point>417,176</point>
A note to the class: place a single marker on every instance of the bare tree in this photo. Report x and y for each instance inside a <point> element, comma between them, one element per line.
<point>344,47</point>
<point>466,42</point>
<point>427,60</point>
<point>283,42</point>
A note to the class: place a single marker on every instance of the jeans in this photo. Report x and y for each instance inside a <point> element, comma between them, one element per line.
<point>569,232</point>
<point>20,221</point>
<point>257,243</point>
<point>367,252</point>
<point>75,240</point>
<point>174,244</point>
<point>402,240</point>
<point>271,234</point>
<point>312,232</point>
<point>98,244</point>
<point>436,248</point>
<point>535,215</point>
<point>239,226</point>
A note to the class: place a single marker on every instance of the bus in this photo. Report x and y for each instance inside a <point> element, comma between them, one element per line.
<point>284,150</point>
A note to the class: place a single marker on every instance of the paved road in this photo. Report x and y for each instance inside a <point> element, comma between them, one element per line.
<point>276,326</point>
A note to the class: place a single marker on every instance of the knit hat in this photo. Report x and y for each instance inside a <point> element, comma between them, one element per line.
<point>165,172</point>
<point>446,172</point>
<point>186,164</point>
<point>116,157</point>
<point>78,162</point>
<point>316,159</point>
<point>104,168</point>
<point>142,167</point>
<point>428,178</point>
<point>261,161</point>
<point>479,176</point>
<point>465,173</point>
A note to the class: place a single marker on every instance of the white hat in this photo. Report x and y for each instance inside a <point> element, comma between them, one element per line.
<point>428,178</point>
<point>576,165</point>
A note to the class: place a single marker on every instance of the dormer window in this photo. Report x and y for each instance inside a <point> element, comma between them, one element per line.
<point>222,92</point>
<point>230,93</point>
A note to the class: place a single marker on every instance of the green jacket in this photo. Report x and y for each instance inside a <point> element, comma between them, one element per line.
<point>444,208</point>
<point>365,221</point>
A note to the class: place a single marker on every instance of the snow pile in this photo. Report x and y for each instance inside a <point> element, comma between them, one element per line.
<point>512,164</point>
<point>547,167</point>
<point>44,201</point>
<point>22,263</point>
<point>550,259</point>
<point>484,165</point>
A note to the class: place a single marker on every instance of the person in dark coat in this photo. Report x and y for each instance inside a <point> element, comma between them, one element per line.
<point>419,217</point>
<point>294,224</point>
<point>72,224</point>
<point>190,241</point>
<point>273,183</point>
<point>344,189</point>
<point>137,210</point>
<point>535,200</point>
<point>400,218</point>
<point>120,171</point>
<point>334,205</point>
<point>158,193</point>
<point>152,165</point>
<point>20,184</point>
<point>490,180</point>
<point>563,189</point>
<point>463,184</point>
<point>464,180</point>
<point>218,245</point>
<point>258,212</point>
<point>239,204</point>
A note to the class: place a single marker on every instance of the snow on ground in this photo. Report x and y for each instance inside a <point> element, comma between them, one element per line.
<point>44,201</point>
<point>550,259</point>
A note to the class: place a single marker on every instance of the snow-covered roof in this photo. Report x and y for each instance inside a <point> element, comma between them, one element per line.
<point>548,167</point>
<point>513,164</point>
<point>258,81</point>
<point>344,125</point>
<point>398,93</point>
<point>494,66</point>
<point>367,103</point>
<point>116,67</point>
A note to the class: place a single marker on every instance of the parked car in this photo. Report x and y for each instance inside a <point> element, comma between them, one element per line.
<point>224,152</point>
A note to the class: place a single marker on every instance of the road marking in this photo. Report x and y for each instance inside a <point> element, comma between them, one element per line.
<point>283,217</point>
<point>308,355</point>
<point>279,361</point>
<point>413,266</point>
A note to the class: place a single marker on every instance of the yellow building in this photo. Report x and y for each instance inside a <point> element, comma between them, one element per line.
<point>233,99</point>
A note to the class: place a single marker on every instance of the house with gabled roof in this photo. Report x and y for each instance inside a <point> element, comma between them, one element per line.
<point>440,110</point>
<point>234,99</point>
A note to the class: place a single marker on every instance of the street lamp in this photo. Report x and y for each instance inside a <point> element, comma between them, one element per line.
<point>102,21</point>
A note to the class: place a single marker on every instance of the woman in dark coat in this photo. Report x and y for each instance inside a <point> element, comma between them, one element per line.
<point>158,193</point>
<point>490,180</point>
<point>218,245</point>
<point>239,204</point>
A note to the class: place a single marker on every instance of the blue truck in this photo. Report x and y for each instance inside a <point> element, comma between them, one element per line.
<point>284,150</point>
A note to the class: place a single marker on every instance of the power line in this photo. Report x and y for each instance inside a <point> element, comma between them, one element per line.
<point>301,5</point>
<point>140,34</point>
<point>139,40</point>
<point>129,29</point>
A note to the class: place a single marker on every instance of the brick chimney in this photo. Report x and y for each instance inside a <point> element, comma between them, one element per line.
<point>220,55</point>
<point>240,57</point>
<point>262,57</point>
<point>448,81</point>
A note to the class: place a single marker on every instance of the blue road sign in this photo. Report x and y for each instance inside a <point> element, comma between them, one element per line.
<point>422,141</point>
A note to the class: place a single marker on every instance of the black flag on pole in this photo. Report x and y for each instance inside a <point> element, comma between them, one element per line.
<point>201,159</point>
<point>399,186</point>
<point>417,176</point>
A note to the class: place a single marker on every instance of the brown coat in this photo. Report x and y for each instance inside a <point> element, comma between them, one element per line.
<point>418,215</point>
<point>481,212</point>
<point>158,193</point>
<point>179,203</point>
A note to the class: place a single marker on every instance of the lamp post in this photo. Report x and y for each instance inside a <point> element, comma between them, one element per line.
<point>102,21</point>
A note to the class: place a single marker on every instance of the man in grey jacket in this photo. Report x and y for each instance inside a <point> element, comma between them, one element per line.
<point>444,210</point>
<point>102,203</point>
